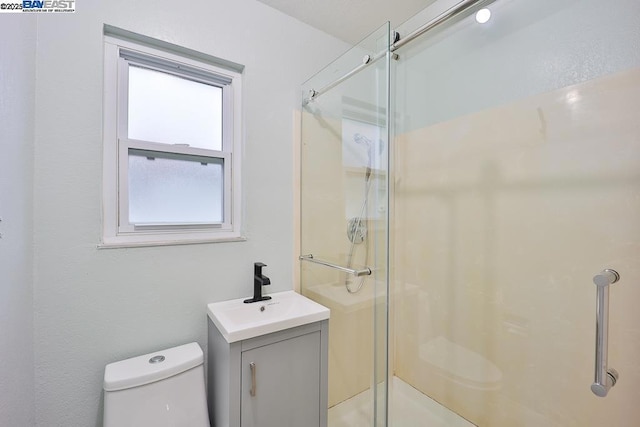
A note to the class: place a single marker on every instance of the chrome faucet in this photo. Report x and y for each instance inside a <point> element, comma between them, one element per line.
<point>259,280</point>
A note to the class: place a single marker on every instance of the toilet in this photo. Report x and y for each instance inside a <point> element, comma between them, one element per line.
<point>161,389</point>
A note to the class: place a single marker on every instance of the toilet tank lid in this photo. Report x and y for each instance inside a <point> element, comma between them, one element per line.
<point>152,367</point>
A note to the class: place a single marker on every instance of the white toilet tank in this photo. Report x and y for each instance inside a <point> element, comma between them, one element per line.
<point>161,389</point>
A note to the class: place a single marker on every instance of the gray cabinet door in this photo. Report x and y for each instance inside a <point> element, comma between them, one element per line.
<point>287,384</point>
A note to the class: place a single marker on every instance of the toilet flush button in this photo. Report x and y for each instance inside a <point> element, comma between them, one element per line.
<point>157,359</point>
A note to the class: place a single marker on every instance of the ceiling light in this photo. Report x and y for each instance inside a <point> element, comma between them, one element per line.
<point>483,16</point>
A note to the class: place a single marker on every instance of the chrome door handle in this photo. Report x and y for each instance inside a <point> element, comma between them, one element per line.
<point>252,367</point>
<point>604,378</point>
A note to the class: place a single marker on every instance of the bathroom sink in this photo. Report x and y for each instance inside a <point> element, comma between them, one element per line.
<point>238,321</point>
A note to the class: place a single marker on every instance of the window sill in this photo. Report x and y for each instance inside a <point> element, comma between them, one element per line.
<point>115,244</point>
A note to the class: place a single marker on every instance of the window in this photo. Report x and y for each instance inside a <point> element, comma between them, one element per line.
<point>171,148</point>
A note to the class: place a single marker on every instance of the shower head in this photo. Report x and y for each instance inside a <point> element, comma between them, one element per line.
<point>363,140</point>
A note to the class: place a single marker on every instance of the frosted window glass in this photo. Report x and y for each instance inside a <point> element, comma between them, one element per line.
<point>173,110</point>
<point>174,191</point>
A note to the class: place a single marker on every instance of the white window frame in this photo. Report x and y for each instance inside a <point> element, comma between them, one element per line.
<point>119,54</point>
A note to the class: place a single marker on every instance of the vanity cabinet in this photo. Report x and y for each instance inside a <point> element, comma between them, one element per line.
<point>273,380</point>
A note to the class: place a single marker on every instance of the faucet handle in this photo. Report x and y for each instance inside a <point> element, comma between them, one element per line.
<point>257,268</point>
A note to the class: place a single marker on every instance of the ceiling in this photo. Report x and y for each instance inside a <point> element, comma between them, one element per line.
<point>349,20</point>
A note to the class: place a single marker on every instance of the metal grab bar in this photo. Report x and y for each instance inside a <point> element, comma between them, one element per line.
<point>604,378</point>
<point>357,273</point>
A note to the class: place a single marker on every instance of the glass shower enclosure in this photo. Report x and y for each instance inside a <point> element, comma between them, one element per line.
<point>470,213</point>
<point>344,219</point>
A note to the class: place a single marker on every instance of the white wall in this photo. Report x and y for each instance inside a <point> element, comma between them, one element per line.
<point>17,98</point>
<point>95,306</point>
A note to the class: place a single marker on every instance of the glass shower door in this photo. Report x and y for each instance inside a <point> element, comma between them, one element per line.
<point>344,225</point>
<point>517,181</point>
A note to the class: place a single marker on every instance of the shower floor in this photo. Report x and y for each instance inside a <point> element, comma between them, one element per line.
<point>407,408</point>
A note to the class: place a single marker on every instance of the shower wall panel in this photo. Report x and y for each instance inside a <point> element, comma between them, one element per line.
<point>503,217</point>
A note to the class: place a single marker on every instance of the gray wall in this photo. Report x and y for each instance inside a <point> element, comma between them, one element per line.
<point>17,98</point>
<point>95,306</point>
<point>528,47</point>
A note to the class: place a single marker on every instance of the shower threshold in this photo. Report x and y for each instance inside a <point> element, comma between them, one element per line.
<point>407,408</point>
